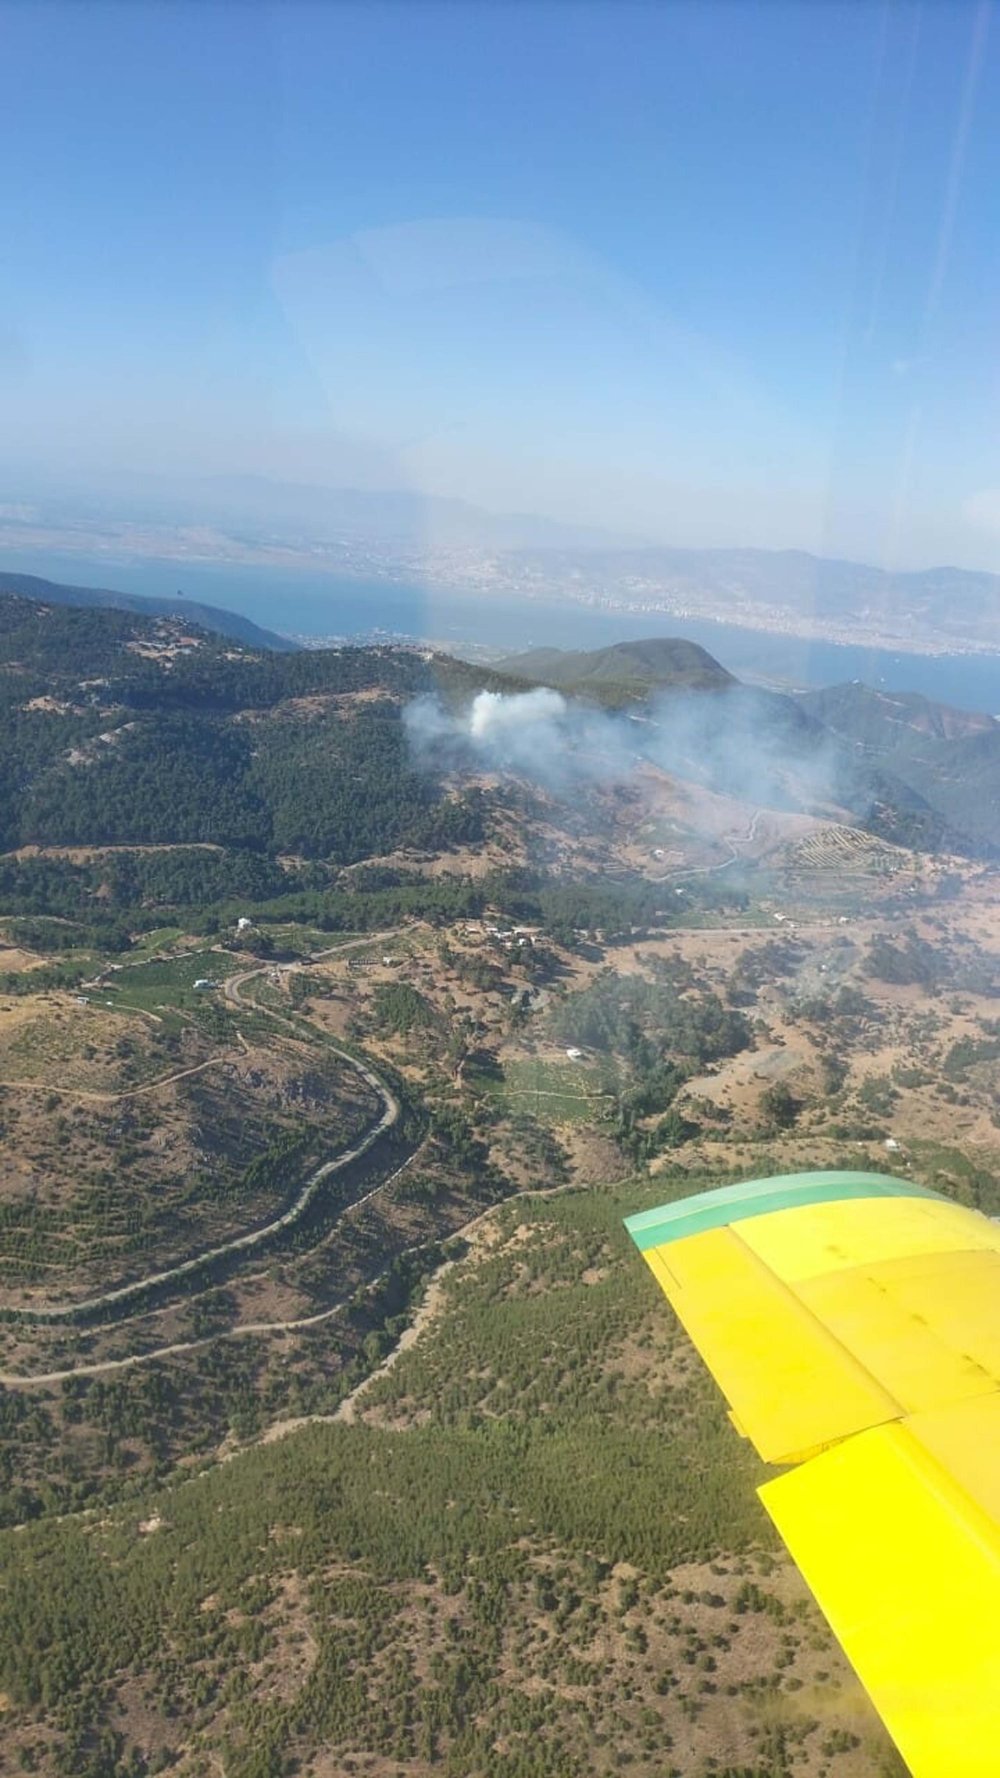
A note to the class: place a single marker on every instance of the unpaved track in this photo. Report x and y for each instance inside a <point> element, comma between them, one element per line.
<point>149,1086</point>
<point>26,1380</point>
<point>241,1243</point>
<point>556,1093</point>
<point>233,983</point>
<point>708,870</point>
<point>430,1308</point>
<point>426,1313</point>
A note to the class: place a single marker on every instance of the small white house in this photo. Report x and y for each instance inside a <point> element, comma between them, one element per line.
<point>574,1054</point>
<point>205,981</point>
<point>243,924</point>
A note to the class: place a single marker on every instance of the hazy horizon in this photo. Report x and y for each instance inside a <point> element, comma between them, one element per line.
<point>710,277</point>
<point>112,500</point>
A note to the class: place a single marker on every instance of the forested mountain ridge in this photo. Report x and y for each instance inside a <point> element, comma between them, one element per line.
<point>890,721</point>
<point>949,758</point>
<point>122,730</point>
<point>118,730</point>
<point>209,617</point>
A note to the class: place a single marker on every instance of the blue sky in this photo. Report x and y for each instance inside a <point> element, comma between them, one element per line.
<point>710,274</point>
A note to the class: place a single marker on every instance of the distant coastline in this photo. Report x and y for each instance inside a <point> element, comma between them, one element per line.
<point>316,605</point>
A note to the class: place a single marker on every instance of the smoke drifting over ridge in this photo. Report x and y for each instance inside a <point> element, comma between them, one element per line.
<point>756,746</point>
<point>536,734</point>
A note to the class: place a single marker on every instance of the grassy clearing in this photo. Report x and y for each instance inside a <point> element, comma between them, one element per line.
<point>149,944</point>
<point>556,1092</point>
<point>167,984</point>
<point>167,975</point>
<point>265,994</point>
<point>303,941</point>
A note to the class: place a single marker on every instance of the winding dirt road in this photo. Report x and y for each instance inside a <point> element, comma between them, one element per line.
<point>241,1243</point>
<point>24,1380</point>
<point>149,1086</point>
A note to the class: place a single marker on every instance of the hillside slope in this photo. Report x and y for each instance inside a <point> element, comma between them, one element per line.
<point>949,758</point>
<point>632,668</point>
<point>891,722</point>
<point>117,729</point>
<point>764,747</point>
<point>207,617</point>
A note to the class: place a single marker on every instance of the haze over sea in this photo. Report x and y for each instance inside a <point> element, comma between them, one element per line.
<point>296,602</point>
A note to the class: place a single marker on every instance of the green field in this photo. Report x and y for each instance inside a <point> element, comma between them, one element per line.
<point>149,944</point>
<point>297,940</point>
<point>168,982</point>
<point>557,1092</point>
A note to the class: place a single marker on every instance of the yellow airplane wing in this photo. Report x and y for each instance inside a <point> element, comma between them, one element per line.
<point>852,1321</point>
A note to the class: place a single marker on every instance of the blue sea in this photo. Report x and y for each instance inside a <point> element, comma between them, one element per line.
<point>306,604</point>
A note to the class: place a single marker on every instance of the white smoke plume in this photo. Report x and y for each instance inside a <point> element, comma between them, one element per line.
<point>536,734</point>
<point>746,743</point>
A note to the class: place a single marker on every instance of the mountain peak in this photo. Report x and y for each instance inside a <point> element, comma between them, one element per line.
<point>629,668</point>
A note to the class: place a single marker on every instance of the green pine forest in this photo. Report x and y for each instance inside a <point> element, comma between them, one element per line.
<point>529,1560</point>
